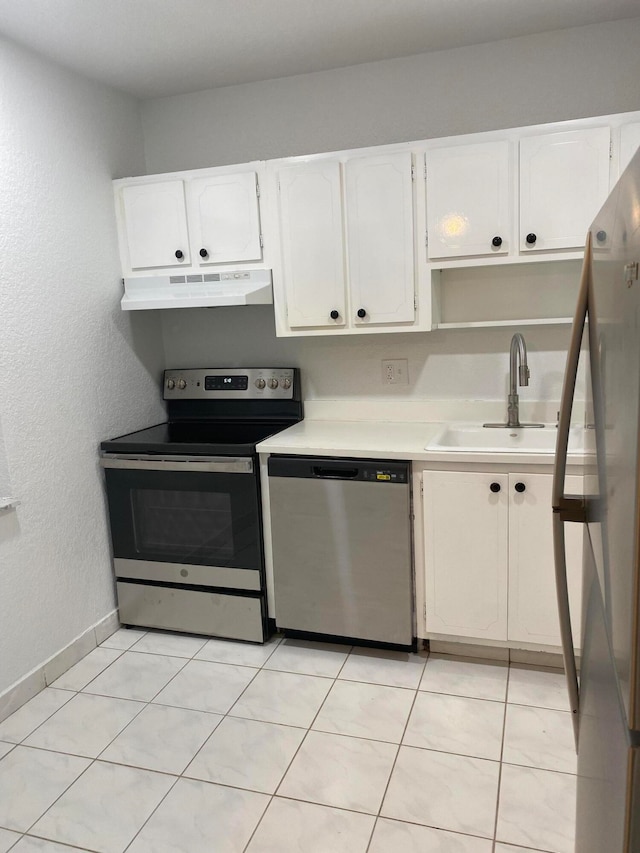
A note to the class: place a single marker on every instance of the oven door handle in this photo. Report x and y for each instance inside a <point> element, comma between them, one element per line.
<point>214,465</point>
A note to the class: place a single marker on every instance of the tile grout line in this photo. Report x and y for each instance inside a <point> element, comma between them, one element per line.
<point>222,716</point>
<point>146,705</point>
<point>504,731</point>
<point>181,708</point>
<point>150,702</point>
<point>306,730</point>
<point>162,799</point>
<point>93,760</point>
<point>80,689</point>
<point>21,742</point>
<point>395,760</point>
<point>282,778</point>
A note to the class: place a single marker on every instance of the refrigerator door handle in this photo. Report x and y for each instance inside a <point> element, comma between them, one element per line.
<point>565,507</point>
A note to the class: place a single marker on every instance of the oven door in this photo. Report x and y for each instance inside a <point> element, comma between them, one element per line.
<point>185,520</point>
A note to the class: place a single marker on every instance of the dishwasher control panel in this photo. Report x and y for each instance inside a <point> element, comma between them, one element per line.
<point>384,475</point>
<point>330,468</point>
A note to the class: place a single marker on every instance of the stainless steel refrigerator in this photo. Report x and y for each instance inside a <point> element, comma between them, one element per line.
<point>605,699</point>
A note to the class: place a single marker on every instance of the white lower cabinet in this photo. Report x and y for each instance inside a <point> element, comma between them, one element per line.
<point>488,557</point>
<point>465,535</point>
<point>533,611</point>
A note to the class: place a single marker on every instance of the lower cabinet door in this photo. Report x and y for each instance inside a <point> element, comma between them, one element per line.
<point>533,610</point>
<point>466,552</point>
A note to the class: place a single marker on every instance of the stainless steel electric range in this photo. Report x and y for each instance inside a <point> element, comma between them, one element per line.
<point>184,502</point>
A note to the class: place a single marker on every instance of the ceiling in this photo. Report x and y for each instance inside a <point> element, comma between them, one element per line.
<point>153,48</point>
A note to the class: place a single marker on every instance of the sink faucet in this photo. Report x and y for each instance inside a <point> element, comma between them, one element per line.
<point>518,374</point>
<point>518,350</point>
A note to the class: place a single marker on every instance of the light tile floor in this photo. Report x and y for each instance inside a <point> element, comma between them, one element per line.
<point>159,743</point>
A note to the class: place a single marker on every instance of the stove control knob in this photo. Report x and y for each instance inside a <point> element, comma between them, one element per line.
<point>286,383</point>
<point>171,384</point>
<point>182,384</point>
<point>260,383</point>
<point>272,383</point>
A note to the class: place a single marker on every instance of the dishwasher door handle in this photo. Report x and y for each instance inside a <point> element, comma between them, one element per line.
<point>335,473</point>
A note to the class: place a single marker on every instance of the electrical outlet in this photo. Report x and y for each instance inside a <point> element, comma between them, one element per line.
<point>395,371</point>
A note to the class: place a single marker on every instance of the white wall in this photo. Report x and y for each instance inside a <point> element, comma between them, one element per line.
<point>443,365</point>
<point>73,368</point>
<point>555,76</point>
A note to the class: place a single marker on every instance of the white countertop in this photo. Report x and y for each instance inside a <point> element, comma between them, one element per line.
<point>386,440</point>
<point>360,439</point>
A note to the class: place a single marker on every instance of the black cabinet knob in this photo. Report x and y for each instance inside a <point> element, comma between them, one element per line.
<point>361,313</point>
<point>531,239</point>
<point>179,254</point>
<point>204,253</point>
<point>601,236</point>
<point>495,487</point>
<point>497,242</point>
<point>520,487</point>
<point>334,314</point>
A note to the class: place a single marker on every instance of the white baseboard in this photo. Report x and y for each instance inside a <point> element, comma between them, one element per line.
<point>521,656</point>
<point>36,680</point>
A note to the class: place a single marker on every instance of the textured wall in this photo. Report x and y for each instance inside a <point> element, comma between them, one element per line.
<point>555,76</point>
<point>470,364</point>
<point>73,368</point>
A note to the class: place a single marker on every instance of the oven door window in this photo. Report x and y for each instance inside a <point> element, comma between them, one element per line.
<point>183,517</point>
<point>179,522</point>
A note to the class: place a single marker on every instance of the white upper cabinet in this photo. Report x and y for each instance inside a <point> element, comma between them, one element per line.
<point>311,233</point>
<point>564,179</point>
<point>224,218</point>
<point>629,143</point>
<point>468,209</point>
<point>191,220</point>
<point>346,231</point>
<point>155,225</point>
<point>380,238</point>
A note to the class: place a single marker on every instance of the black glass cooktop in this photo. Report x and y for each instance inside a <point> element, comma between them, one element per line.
<point>221,438</point>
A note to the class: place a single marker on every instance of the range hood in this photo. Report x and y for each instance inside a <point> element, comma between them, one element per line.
<point>206,290</point>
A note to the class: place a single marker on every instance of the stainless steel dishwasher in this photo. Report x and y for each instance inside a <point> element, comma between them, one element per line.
<point>341,534</point>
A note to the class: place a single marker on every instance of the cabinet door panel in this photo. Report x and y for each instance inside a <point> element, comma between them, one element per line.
<point>224,218</point>
<point>629,143</point>
<point>468,200</point>
<point>380,238</point>
<point>465,535</point>
<point>564,179</point>
<point>533,610</point>
<point>312,243</point>
<point>155,221</point>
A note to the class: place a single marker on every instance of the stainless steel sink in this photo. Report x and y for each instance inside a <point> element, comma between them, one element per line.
<point>473,437</point>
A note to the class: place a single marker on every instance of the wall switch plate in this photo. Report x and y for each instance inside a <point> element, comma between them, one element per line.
<point>395,371</point>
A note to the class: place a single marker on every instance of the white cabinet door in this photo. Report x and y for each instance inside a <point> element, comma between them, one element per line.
<point>379,199</point>
<point>533,610</point>
<point>311,227</point>
<point>465,536</point>
<point>564,179</point>
<point>468,200</point>
<point>224,218</point>
<point>629,143</point>
<point>155,225</point>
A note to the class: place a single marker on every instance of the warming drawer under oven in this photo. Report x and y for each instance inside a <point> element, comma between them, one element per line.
<point>187,543</point>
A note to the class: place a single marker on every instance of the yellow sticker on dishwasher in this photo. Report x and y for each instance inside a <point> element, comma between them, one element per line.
<point>381,476</point>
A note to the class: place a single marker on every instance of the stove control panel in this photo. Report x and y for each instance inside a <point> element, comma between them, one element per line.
<point>215,383</point>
